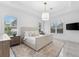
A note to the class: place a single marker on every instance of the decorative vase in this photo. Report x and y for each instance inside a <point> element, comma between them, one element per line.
<point>14,35</point>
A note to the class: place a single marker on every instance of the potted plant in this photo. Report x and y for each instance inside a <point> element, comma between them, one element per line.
<point>14,34</point>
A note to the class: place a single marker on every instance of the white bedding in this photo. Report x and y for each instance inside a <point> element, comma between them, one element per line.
<point>31,39</point>
<point>37,42</point>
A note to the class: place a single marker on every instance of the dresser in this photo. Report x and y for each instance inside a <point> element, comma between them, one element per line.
<point>4,46</point>
<point>15,40</point>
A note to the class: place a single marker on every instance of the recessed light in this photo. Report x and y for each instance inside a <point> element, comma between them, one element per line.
<point>51,8</point>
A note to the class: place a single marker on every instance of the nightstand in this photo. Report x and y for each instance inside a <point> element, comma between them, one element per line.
<point>15,41</point>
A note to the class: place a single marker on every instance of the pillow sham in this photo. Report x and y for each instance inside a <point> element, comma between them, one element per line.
<point>31,33</point>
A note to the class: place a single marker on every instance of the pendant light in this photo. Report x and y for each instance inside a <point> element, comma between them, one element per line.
<point>45,14</point>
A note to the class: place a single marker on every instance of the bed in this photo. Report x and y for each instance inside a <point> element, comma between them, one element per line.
<point>33,39</point>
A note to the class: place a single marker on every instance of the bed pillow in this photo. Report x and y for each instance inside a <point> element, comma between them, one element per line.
<point>34,33</point>
<point>26,34</point>
<point>31,33</point>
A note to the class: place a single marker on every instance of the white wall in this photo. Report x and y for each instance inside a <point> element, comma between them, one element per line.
<point>70,35</point>
<point>70,15</point>
<point>25,19</point>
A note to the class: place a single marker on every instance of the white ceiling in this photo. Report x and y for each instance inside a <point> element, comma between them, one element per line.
<point>38,6</point>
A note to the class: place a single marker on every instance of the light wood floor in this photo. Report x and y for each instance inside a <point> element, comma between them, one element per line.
<point>51,50</point>
<point>67,48</point>
<point>70,49</point>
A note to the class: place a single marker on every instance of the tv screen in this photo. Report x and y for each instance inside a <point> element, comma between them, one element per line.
<point>72,26</point>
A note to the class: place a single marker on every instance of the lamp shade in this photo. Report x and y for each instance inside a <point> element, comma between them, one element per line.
<point>45,16</point>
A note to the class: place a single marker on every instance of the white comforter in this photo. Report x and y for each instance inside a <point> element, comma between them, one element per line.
<point>31,39</point>
<point>37,42</point>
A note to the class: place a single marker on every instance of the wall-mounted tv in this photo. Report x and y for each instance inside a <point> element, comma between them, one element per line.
<point>72,26</point>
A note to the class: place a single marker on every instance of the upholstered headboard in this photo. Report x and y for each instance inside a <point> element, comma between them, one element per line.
<point>23,29</point>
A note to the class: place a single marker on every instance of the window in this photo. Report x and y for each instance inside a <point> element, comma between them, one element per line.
<point>60,28</point>
<point>10,23</point>
<point>56,25</point>
<point>52,29</point>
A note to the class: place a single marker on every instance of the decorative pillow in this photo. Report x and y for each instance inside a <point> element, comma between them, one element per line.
<point>26,34</point>
<point>31,33</point>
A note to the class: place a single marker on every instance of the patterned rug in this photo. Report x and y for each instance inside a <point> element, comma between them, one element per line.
<point>51,50</point>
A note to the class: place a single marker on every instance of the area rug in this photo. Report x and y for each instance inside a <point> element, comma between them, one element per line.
<point>51,50</point>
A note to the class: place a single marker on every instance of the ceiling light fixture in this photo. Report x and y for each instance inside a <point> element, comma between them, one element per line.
<point>45,14</point>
